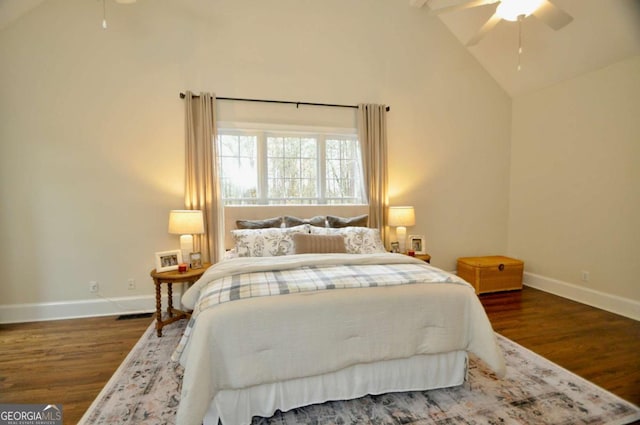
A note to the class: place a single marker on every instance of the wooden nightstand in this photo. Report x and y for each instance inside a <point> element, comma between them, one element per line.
<point>174,276</point>
<point>424,257</point>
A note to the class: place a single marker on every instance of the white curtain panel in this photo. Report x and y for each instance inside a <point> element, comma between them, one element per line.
<point>372,131</point>
<point>202,188</point>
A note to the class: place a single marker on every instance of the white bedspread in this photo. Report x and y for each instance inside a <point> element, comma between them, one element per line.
<point>255,341</point>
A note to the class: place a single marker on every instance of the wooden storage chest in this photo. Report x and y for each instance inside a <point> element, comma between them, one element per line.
<point>491,273</point>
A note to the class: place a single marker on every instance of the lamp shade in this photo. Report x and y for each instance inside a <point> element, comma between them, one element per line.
<point>185,222</point>
<point>402,216</point>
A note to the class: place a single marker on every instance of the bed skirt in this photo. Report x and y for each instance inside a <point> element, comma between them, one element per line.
<point>423,372</point>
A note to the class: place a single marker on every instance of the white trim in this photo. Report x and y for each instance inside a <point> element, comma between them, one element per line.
<point>290,128</point>
<point>19,313</point>
<point>609,302</point>
<point>36,312</point>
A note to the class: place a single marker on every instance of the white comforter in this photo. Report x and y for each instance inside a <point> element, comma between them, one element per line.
<point>255,341</point>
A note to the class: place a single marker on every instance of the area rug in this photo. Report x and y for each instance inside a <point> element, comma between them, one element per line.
<point>146,390</point>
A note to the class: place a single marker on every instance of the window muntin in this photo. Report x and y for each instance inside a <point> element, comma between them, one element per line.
<point>238,168</point>
<point>343,172</point>
<point>292,164</point>
<point>289,167</point>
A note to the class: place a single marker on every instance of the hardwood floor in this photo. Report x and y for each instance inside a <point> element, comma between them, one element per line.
<point>602,347</point>
<point>64,361</point>
<point>69,361</point>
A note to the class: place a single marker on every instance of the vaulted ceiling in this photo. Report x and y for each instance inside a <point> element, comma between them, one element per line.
<point>10,10</point>
<point>602,32</point>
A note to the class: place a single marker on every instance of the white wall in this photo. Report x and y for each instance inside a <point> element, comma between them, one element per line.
<point>91,126</point>
<point>575,186</point>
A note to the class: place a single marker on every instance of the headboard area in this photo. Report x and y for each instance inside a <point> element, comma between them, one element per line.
<point>260,212</point>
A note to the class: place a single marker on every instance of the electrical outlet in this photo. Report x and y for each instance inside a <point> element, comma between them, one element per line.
<point>93,287</point>
<point>131,284</point>
<point>585,276</point>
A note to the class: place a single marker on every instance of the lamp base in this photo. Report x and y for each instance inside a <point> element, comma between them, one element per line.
<point>186,246</point>
<point>401,234</point>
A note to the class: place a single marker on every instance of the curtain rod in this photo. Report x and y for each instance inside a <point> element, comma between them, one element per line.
<point>289,102</point>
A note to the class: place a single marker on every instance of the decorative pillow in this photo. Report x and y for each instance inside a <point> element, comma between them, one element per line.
<point>357,240</point>
<point>259,224</point>
<point>318,221</point>
<point>269,242</point>
<point>358,221</point>
<point>318,244</point>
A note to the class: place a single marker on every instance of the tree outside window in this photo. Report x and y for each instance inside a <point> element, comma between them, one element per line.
<point>277,167</point>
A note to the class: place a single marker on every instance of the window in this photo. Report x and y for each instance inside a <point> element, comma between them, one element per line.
<point>259,167</point>
<point>238,162</point>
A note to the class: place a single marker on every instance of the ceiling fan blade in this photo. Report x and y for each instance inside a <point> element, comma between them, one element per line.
<point>552,15</point>
<point>488,26</point>
<point>462,6</point>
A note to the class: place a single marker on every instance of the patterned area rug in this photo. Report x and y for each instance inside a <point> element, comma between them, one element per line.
<point>146,390</point>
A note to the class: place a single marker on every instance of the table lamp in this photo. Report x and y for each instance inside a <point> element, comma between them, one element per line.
<point>186,223</point>
<point>400,217</point>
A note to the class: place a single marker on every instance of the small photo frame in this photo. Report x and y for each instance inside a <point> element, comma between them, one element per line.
<point>395,247</point>
<point>195,258</point>
<point>416,243</point>
<point>168,260</point>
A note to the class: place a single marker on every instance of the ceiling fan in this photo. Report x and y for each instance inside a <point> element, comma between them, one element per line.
<point>510,10</point>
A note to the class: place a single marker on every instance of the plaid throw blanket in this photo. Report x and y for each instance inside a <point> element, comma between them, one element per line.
<point>310,278</point>
<point>316,278</point>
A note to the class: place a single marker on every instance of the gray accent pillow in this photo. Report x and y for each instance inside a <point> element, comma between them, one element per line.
<point>259,224</point>
<point>358,221</point>
<point>318,221</point>
<point>318,244</point>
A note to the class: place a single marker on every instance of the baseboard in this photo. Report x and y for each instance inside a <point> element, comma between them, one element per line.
<point>613,303</point>
<point>102,306</point>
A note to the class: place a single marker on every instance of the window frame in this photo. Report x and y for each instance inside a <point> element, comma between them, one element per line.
<point>263,131</point>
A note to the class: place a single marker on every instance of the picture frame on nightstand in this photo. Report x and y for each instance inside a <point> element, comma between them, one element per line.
<point>167,261</point>
<point>195,258</point>
<point>416,243</point>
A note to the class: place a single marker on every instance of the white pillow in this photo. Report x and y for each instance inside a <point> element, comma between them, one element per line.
<point>357,240</point>
<point>268,242</point>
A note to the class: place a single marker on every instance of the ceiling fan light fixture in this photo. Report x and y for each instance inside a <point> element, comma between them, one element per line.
<point>510,10</point>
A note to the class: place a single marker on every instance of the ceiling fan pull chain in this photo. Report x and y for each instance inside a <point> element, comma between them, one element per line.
<point>520,19</point>
<point>104,15</point>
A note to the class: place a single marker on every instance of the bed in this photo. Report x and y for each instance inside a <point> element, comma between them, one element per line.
<point>282,331</point>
